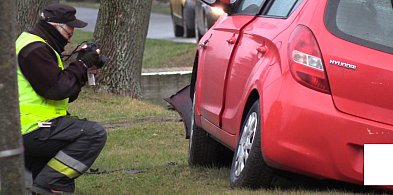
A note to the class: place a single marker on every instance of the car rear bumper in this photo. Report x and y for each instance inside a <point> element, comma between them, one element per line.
<point>303,132</point>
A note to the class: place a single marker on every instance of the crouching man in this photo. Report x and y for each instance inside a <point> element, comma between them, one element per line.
<point>58,148</point>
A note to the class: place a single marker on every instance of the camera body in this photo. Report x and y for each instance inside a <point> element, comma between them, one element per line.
<point>91,46</point>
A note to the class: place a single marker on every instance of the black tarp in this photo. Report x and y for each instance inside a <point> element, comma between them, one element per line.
<point>182,103</point>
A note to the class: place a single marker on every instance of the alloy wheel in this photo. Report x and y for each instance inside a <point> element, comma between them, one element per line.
<point>246,142</point>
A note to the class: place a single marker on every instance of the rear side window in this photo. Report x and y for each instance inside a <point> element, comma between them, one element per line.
<point>282,8</point>
<point>248,7</point>
<point>364,22</point>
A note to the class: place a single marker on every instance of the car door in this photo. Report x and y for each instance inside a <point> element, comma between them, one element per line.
<point>215,55</point>
<point>256,51</point>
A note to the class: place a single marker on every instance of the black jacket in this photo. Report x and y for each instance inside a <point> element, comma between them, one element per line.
<point>38,63</point>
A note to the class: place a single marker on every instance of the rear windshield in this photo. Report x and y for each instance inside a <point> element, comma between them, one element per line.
<point>364,22</point>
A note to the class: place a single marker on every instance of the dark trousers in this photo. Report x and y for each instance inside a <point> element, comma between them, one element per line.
<point>58,154</point>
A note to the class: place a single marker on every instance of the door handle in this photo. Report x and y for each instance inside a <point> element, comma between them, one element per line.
<point>232,40</point>
<point>204,44</point>
<point>262,49</point>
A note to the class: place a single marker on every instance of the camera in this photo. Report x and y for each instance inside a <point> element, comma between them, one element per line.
<point>91,46</point>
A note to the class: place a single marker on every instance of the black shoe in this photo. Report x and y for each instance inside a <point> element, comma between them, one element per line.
<point>42,191</point>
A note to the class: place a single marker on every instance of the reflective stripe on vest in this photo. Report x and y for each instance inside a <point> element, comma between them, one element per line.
<point>33,107</point>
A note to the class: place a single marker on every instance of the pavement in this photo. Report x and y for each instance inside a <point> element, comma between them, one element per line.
<point>167,71</point>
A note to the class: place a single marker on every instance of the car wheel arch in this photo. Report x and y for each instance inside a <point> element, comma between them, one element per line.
<point>194,75</point>
<point>252,97</point>
<point>255,86</point>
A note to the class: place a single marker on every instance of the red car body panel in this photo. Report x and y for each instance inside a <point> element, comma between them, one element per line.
<point>303,130</point>
<point>255,53</point>
<point>223,36</point>
<point>353,92</point>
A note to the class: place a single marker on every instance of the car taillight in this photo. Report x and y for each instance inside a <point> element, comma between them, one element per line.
<point>306,63</point>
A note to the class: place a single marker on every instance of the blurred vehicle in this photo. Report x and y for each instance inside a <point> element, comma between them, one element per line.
<point>293,85</point>
<point>183,17</point>
<point>205,17</point>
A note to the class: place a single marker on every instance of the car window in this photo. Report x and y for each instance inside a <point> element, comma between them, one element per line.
<point>282,8</point>
<point>248,7</point>
<point>364,22</point>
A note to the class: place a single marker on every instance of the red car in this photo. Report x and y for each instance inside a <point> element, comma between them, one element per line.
<point>294,85</point>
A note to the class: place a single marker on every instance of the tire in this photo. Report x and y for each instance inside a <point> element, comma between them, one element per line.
<point>248,168</point>
<point>177,29</point>
<point>204,150</point>
<point>188,32</point>
<point>198,34</point>
<point>205,23</point>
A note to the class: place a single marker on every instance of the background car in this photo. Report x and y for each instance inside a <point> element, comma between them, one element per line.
<point>205,17</point>
<point>293,85</point>
<point>183,17</point>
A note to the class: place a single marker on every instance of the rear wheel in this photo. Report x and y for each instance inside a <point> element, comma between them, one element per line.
<point>177,29</point>
<point>205,22</point>
<point>204,150</point>
<point>248,167</point>
<point>198,34</point>
<point>188,32</point>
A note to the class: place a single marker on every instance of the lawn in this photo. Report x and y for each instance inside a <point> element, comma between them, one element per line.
<point>146,153</point>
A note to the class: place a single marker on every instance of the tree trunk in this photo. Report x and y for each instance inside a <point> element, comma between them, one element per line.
<point>29,11</point>
<point>121,30</point>
<point>11,153</point>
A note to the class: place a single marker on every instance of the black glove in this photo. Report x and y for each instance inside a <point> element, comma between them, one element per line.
<point>88,57</point>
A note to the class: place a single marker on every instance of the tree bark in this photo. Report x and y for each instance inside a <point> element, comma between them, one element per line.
<point>11,159</point>
<point>29,11</point>
<point>121,30</point>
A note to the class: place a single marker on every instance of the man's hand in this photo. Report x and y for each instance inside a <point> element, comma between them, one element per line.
<point>93,70</point>
<point>88,57</point>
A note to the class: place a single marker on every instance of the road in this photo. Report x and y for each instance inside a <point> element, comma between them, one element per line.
<point>160,25</point>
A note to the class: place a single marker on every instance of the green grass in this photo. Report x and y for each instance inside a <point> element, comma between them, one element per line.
<point>150,139</point>
<point>163,53</point>
<point>158,53</point>
<point>82,4</point>
<point>78,37</point>
<point>116,109</point>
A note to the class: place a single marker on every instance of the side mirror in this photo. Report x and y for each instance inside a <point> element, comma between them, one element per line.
<point>226,5</point>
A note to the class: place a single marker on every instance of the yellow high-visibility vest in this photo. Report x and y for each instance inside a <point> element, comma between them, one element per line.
<point>34,108</point>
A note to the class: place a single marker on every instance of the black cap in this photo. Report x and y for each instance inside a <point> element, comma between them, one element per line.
<point>63,14</point>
